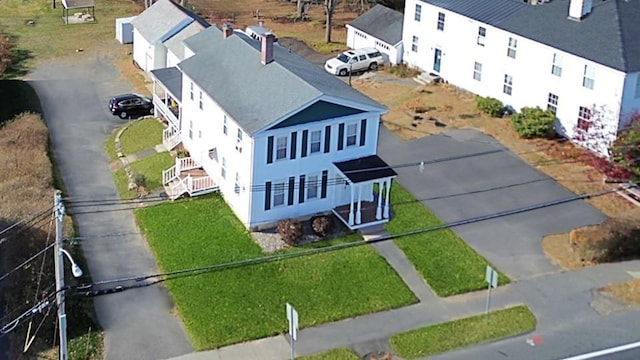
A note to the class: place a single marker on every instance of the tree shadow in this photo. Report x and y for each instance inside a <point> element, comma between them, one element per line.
<point>16,97</point>
<point>18,67</point>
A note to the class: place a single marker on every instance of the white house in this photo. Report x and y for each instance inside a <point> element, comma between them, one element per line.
<point>158,33</point>
<point>578,58</point>
<point>380,27</point>
<point>275,134</point>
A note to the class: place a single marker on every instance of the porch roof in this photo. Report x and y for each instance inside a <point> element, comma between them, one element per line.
<point>171,79</point>
<point>365,169</point>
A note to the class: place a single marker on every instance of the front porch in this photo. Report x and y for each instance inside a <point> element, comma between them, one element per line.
<point>368,181</point>
<point>167,102</point>
<point>187,177</point>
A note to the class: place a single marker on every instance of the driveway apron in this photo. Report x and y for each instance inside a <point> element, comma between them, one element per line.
<point>139,323</point>
<point>467,174</point>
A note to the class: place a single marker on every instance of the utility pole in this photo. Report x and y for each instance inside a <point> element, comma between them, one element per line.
<point>59,269</point>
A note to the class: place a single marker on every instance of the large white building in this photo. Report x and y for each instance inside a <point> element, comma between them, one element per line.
<point>275,134</point>
<point>579,58</point>
<point>380,28</point>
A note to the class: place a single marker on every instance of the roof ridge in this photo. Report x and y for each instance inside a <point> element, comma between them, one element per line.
<point>618,20</point>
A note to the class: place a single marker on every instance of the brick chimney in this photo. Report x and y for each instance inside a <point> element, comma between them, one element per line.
<point>266,55</point>
<point>578,9</point>
<point>227,30</point>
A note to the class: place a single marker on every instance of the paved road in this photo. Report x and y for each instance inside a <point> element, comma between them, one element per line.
<point>138,324</point>
<point>469,174</point>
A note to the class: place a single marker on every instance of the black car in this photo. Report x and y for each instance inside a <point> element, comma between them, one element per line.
<point>128,105</point>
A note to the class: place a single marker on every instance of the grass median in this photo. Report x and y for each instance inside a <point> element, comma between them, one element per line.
<point>445,261</point>
<point>460,333</point>
<point>335,354</point>
<point>248,302</point>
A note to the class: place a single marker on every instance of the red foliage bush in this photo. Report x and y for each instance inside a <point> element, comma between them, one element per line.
<point>290,231</point>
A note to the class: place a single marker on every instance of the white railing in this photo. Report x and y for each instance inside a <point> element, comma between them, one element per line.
<point>200,184</point>
<point>166,112</point>
<point>187,163</point>
<point>169,174</point>
<point>176,189</point>
<point>170,137</point>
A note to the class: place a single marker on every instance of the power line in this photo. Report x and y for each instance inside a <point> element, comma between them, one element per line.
<point>25,222</point>
<point>26,262</point>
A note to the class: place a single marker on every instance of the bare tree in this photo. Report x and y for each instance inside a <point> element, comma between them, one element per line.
<point>299,5</point>
<point>329,7</point>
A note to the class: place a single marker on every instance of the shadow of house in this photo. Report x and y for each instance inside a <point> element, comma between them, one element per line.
<point>20,97</point>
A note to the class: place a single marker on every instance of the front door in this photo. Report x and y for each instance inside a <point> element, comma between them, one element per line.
<point>437,57</point>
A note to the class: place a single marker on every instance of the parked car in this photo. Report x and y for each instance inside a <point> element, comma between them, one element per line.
<point>354,60</point>
<point>127,105</point>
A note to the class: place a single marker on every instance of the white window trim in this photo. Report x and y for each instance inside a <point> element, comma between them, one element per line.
<point>477,71</point>
<point>223,168</point>
<point>315,184</point>
<point>236,185</point>
<point>277,147</point>
<point>589,76</point>
<point>191,91</point>
<point>276,186</point>
<point>441,23</point>
<point>224,125</point>
<point>201,102</point>
<point>482,38</point>
<point>320,141</point>
<point>512,47</point>
<point>356,136</point>
<point>415,40</point>
<point>556,66</point>
<point>550,105</point>
<point>507,84</point>
<point>239,138</point>
<point>417,15</point>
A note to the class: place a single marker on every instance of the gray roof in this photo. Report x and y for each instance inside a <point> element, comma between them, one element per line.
<point>175,45</point>
<point>382,23</point>
<point>75,4</point>
<point>609,35</point>
<point>164,19</point>
<point>171,78</point>
<point>258,96</point>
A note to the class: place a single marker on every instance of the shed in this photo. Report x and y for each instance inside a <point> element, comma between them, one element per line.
<point>86,15</point>
<point>124,30</point>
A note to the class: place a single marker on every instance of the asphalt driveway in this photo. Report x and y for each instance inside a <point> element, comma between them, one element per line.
<point>468,174</point>
<point>138,323</point>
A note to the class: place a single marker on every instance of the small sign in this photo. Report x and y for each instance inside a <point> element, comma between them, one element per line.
<point>491,277</point>
<point>292,316</point>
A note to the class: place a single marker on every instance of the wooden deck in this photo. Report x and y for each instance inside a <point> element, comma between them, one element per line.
<point>368,215</point>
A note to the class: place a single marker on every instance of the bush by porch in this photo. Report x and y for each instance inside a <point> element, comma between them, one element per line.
<point>445,261</point>
<point>243,303</point>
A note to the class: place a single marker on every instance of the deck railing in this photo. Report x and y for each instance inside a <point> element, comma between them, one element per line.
<point>171,137</point>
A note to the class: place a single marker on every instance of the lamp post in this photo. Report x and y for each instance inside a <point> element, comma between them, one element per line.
<point>59,254</point>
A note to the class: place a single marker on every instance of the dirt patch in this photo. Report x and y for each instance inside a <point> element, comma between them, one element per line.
<point>628,291</point>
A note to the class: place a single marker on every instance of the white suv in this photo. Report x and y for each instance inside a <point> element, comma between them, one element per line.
<point>354,60</point>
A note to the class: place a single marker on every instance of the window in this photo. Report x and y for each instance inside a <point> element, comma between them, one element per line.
<point>589,76</point>
<point>223,168</point>
<point>584,118</point>
<point>190,129</point>
<point>441,21</point>
<point>312,186</point>
<point>508,84</point>
<point>278,194</point>
<point>213,154</point>
<point>552,103</point>
<point>352,134</point>
<point>418,13</point>
<point>482,34</point>
<point>314,141</point>
<point>281,148</point>
<point>200,101</point>
<point>556,68</point>
<point>191,91</point>
<point>239,141</point>
<point>511,50</point>
<point>477,71</point>
<point>199,134</point>
<point>236,185</point>
<point>414,44</point>
<point>224,125</point>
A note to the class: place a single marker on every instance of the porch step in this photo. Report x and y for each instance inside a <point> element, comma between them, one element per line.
<point>426,78</point>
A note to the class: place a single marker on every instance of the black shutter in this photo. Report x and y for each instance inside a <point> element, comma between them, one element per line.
<point>301,189</point>
<point>267,195</point>
<point>305,135</point>
<point>292,186</point>
<point>341,136</point>
<point>294,140</point>
<point>363,131</point>
<point>327,138</point>
<point>325,178</point>
<point>269,149</point>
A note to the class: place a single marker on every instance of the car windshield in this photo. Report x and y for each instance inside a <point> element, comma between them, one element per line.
<point>344,58</point>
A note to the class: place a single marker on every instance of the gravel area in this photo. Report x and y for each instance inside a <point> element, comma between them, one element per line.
<point>270,241</point>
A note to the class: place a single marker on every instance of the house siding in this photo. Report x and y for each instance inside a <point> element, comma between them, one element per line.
<point>530,70</point>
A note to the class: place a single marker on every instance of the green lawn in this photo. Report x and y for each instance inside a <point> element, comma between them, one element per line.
<point>110,146</point>
<point>151,167</point>
<point>141,135</point>
<point>335,354</point>
<point>445,261</point>
<point>460,333</point>
<point>238,304</point>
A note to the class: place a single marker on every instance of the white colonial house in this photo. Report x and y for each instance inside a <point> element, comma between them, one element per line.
<point>381,28</point>
<point>158,33</point>
<point>275,134</point>
<point>578,58</point>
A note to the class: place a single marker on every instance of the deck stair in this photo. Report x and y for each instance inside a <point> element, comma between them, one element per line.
<point>187,177</point>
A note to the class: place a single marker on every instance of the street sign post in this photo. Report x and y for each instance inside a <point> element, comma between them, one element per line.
<point>292,316</point>
<point>491,278</point>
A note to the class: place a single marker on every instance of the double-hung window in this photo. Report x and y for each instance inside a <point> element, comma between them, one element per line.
<point>482,34</point>
<point>440,21</point>
<point>552,103</point>
<point>236,185</point>
<point>589,76</point>
<point>200,101</point>
<point>314,141</point>
<point>239,141</point>
<point>511,49</point>
<point>352,134</point>
<point>312,186</point>
<point>191,91</point>
<point>507,88</point>
<point>477,71</point>
<point>281,147</point>
<point>418,13</point>
<point>224,125</point>
<point>584,118</point>
<point>414,43</point>
<point>278,194</point>
<point>190,129</point>
<point>556,67</point>
<point>223,168</point>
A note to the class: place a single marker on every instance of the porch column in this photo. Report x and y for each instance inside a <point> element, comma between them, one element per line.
<point>380,192</point>
<point>351,205</point>
<point>359,211</point>
<point>386,199</point>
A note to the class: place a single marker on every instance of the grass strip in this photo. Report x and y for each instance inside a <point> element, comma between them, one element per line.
<point>335,354</point>
<point>444,260</point>
<point>460,333</point>
<point>141,135</point>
